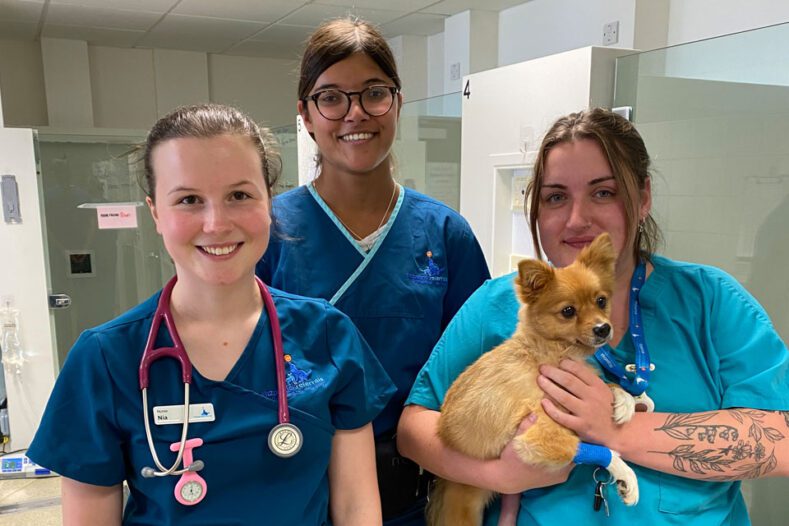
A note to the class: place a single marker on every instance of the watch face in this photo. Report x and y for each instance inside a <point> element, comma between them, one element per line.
<point>192,491</point>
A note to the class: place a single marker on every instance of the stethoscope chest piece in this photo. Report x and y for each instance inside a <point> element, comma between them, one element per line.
<point>285,440</point>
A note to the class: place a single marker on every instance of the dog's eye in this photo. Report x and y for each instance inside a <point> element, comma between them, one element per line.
<point>568,311</point>
<point>602,302</point>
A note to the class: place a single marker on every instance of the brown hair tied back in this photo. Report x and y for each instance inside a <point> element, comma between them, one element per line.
<point>338,39</point>
<point>203,121</point>
<point>627,155</point>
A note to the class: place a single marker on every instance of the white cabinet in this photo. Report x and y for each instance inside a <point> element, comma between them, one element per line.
<point>506,112</point>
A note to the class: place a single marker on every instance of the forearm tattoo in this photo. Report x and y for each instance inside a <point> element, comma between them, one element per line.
<point>721,451</point>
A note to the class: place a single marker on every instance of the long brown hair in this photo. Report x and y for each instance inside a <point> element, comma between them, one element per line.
<point>627,155</point>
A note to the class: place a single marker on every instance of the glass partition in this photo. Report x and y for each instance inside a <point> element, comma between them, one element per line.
<point>715,117</point>
<point>104,271</point>
<point>288,145</point>
<point>427,148</point>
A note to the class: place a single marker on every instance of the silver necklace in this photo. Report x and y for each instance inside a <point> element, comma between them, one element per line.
<point>383,219</point>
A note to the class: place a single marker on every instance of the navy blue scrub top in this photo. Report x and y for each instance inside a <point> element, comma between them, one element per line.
<point>92,430</point>
<point>424,270</point>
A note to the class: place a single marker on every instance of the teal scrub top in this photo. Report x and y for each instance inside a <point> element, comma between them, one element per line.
<point>713,347</point>
<point>424,270</point>
<point>92,430</point>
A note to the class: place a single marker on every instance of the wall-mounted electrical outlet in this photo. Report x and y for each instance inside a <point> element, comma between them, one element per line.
<point>454,71</point>
<point>611,33</point>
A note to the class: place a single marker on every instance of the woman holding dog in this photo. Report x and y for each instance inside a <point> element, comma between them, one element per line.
<point>281,389</point>
<point>397,262</point>
<point>720,384</point>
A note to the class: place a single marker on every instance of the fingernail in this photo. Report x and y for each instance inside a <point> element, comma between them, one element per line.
<point>532,418</point>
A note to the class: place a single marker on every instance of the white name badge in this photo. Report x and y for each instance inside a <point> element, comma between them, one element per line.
<point>174,414</point>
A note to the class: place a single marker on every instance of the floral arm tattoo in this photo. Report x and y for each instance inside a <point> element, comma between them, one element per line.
<point>719,451</point>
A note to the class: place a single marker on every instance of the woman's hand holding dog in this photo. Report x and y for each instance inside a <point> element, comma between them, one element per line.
<point>512,475</point>
<point>417,440</point>
<point>588,401</point>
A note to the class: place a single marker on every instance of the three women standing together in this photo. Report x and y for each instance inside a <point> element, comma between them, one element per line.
<point>391,267</point>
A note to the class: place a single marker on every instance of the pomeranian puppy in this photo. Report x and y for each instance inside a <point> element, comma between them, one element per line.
<point>564,314</point>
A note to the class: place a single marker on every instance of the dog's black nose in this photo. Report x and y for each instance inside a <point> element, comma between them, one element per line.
<point>602,330</point>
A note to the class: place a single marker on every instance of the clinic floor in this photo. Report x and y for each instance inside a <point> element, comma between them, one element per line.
<point>30,502</point>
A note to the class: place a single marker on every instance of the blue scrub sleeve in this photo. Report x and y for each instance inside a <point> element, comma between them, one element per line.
<point>363,387</point>
<point>467,270</point>
<point>462,343</point>
<point>754,362</point>
<point>79,436</point>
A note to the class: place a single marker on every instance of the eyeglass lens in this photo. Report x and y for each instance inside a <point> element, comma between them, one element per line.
<point>335,104</point>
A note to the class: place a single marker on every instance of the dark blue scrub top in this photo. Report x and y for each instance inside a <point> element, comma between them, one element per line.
<point>92,430</point>
<point>424,270</point>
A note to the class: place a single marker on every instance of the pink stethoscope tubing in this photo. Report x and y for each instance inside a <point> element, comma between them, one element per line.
<point>178,352</point>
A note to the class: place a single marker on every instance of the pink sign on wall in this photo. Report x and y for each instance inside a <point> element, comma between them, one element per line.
<point>117,216</point>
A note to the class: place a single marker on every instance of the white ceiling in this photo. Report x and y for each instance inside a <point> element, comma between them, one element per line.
<point>266,28</point>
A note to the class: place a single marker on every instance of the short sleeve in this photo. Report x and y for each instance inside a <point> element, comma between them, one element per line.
<point>467,270</point>
<point>363,387</point>
<point>754,362</point>
<point>482,323</point>
<point>79,437</point>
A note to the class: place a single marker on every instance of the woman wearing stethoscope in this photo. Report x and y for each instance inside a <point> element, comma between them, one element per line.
<point>397,262</point>
<point>689,342</point>
<point>280,390</point>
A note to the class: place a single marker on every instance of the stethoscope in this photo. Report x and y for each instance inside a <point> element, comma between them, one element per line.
<point>284,439</point>
<point>641,369</point>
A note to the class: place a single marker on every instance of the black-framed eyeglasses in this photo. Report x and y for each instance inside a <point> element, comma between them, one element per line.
<point>334,104</point>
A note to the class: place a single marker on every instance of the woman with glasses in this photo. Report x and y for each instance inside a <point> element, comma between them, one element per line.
<point>399,263</point>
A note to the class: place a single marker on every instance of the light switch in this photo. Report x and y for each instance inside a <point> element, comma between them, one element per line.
<point>10,196</point>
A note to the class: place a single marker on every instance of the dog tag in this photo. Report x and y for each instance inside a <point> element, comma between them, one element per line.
<point>599,498</point>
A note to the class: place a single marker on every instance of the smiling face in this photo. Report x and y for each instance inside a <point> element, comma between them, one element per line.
<point>579,199</point>
<point>212,207</point>
<point>358,143</point>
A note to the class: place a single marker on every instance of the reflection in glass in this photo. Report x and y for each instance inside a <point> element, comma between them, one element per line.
<point>715,117</point>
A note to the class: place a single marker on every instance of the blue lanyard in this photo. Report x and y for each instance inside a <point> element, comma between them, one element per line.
<point>639,384</point>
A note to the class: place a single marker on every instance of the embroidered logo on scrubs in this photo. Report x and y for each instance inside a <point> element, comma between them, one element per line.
<point>297,380</point>
<point>431,274</point>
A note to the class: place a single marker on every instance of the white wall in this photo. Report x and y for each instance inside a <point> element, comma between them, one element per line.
<point>124,87</point>
<point>22,81</point>
<point>435,65</point>
<point>470,42</point>
<point>544,27</point>
<point>67,83</point>
<point>263,87</point>
<point>181,78</point>
<point>411,58</point>
<point>457,49</point>
<point>24,279</point>
<point>70,84</point>
<point>691,20</point>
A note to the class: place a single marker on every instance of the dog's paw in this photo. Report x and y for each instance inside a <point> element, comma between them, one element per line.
<point>626,480</point>
<point>624,405</point>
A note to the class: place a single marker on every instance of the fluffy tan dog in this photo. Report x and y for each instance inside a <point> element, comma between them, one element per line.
<point>565,314</point>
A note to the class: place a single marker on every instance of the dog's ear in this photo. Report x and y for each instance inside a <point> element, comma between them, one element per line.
<point>533,276</point>
<point>600,256</point>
